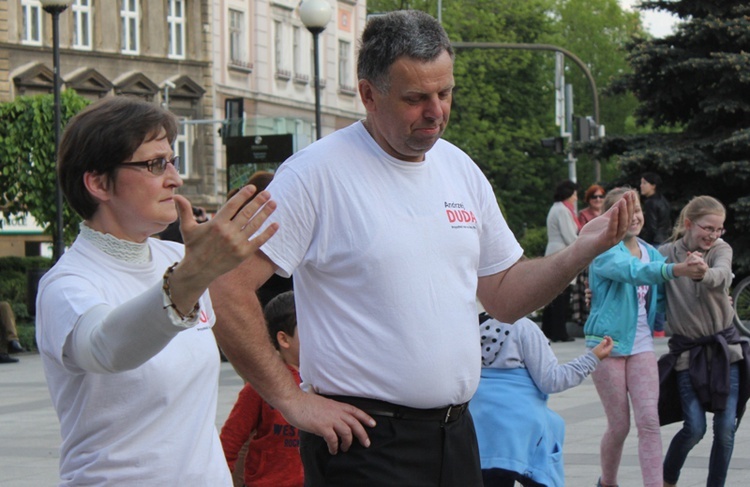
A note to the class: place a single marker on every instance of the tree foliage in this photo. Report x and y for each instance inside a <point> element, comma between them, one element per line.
<point>503,104</point>
<point>27,147</point>
<point>598,32</point>
<point>695,85</point>
<point>504,100</point>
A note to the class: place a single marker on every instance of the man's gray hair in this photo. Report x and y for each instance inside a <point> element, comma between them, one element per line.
<point>387,37</point>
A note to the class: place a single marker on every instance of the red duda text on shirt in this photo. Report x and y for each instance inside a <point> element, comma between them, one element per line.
<point>461,216</point>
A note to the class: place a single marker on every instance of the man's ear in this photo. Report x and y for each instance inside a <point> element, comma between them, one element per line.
<point>367,94</point>
<point>99,185</point>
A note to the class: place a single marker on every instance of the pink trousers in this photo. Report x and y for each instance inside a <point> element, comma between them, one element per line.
<point>636,376</point>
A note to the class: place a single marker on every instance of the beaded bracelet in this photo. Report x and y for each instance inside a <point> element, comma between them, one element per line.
<point>165,286</point>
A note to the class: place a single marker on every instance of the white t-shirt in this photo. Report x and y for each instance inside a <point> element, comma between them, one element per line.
<point>150,426</point>
<point>386,256</point>
<point>643,341</point>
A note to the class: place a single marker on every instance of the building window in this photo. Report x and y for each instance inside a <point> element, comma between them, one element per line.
<point>278,46</point>
<point>297,50</point>
<point>236,37</point>
<point>82,24</point>
<point>182,145</point>
<point>129,14</point>
<point>32,22</point>
<point>345,79</point>
<point>176,24</point>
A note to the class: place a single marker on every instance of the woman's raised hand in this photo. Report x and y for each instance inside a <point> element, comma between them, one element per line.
<point>219,245</point>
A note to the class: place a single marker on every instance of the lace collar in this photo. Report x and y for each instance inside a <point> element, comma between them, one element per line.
<point>135,253</point>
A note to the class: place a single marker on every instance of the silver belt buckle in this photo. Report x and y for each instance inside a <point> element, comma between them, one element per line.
<point>448,414</point>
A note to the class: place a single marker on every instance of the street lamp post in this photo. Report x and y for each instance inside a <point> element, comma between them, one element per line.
<point>55,8</point>
<point>316,14</point>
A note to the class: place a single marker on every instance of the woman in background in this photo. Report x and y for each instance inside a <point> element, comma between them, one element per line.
<point>594,199</point>
<point>562,230</point>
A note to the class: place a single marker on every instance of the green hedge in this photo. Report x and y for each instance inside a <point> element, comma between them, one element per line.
<point>534,242</point>
<point>13,282</point>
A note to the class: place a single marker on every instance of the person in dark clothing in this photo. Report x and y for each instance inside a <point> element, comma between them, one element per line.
<point>658,224</point>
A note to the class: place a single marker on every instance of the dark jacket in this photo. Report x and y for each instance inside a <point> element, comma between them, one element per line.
<point>657,224</point>
<point>709,374</point>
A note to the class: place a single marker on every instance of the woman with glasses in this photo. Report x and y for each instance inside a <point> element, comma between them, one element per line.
<point>594,198</point>
<point>707,365</point>
<point>124,321</point>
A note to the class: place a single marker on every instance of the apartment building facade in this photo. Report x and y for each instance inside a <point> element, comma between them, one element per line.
<point>191,56</point>
<point>264,58</point>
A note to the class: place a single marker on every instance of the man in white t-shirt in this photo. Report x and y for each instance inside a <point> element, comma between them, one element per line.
<point>391,234</point>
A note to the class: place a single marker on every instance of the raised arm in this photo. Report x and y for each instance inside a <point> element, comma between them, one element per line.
<point>530,284</point>
<point>108,339</point>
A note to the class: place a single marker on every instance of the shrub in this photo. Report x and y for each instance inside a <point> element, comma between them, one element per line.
<point>534,242</point>
<point>14,282</point>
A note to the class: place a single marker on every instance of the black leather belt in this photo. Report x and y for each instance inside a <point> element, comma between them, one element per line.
<point>375,407</point>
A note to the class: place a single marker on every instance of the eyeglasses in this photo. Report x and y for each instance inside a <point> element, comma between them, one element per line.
<point>712,230</point>
<point>597,197</point>
<point>155,166</point>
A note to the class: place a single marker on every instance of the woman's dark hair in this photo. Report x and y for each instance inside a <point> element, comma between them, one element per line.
<point>102,136</point>
<point>565,190</point>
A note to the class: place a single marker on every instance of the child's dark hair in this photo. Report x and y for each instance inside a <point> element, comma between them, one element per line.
<point>281,316</point>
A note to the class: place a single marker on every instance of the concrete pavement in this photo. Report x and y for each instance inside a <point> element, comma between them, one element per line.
<point>29,430</point>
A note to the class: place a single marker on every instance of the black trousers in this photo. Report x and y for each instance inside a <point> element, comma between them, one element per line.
<point>555,316</point>
<point>403,453</point>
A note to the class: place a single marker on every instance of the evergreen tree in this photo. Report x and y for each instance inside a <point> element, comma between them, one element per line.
<point>694,87</point>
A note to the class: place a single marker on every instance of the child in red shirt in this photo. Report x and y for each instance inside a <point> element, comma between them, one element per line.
<point>272,458</point>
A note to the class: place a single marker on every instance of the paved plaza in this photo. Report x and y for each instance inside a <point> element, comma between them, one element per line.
<point>29,430</point>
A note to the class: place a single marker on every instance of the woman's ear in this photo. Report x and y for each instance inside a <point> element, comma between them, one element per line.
<point>99,185</point>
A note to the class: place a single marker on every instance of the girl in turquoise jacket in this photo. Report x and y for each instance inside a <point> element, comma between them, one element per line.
<point>626,291</point>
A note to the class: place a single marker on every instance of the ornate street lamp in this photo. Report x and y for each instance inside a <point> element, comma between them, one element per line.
<point>55,8</point>
<point>316,14</point>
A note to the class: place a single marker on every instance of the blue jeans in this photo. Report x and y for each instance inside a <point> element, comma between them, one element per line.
<point>659,321</point>
<point>694,428</point>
